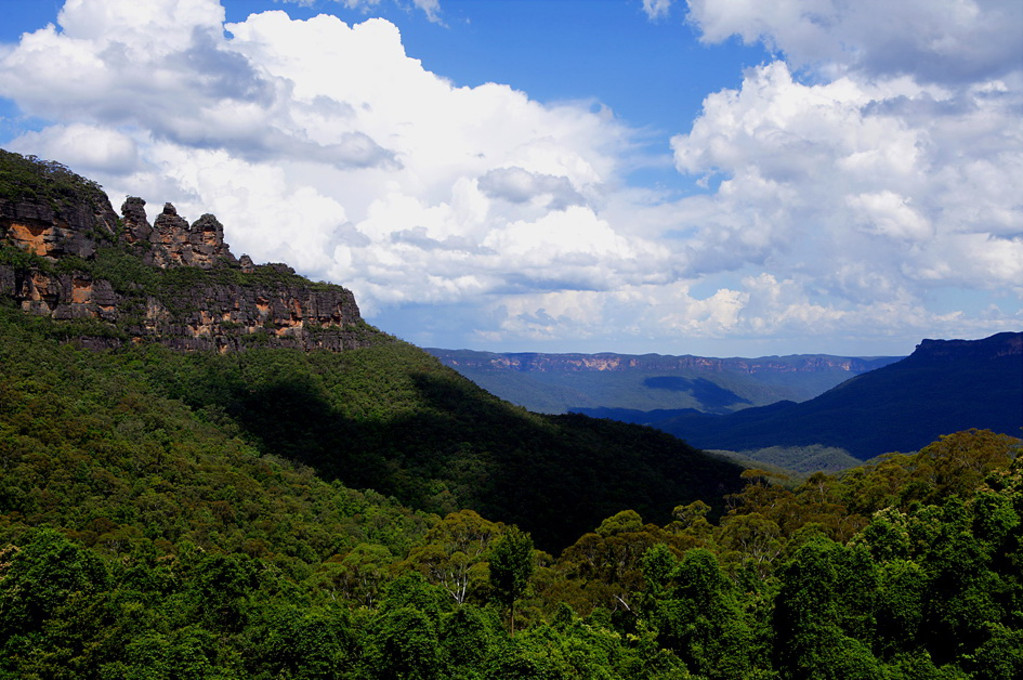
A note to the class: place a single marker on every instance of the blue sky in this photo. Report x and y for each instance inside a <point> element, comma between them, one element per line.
<point>705,177</point>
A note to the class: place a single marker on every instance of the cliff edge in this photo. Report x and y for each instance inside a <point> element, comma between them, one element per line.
<point>64,253</point>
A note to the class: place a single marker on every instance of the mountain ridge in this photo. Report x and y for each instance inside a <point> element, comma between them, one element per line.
<point>571,382</point>
<point>613,361</point>
<point>942,387</point>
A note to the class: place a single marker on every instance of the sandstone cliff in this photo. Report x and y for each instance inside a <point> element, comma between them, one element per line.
<point>65,254</point>
<point>646,363</point>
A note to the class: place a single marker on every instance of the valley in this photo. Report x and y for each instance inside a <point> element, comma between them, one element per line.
<point>559,383</point>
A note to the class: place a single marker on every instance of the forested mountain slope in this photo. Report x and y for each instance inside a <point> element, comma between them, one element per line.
<point>291,367</point>
<point>142,538</point>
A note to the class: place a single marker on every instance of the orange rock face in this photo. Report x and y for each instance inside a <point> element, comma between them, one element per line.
<point>33,238</point>
<point>218,313</point>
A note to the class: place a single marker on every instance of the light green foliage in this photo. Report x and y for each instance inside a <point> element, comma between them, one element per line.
<point>604,568</point>
<point>359,576</point>
<point>454,553</point>
<point>49,182</point>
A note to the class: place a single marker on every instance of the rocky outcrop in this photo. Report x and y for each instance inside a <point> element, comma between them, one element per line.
<point>54,231</point>
<point>170,281</point>
<point>998,345</point>
<point>172,241</point>
<point>233,316</point>
<point>61,296</point>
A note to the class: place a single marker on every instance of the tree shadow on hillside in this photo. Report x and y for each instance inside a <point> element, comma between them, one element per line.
<point>555,476</point>
<point>712,397</point>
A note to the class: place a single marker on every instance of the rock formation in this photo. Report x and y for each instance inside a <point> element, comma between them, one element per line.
<point>172,241</point>
<point>55,230</point>
<point>171,282</point>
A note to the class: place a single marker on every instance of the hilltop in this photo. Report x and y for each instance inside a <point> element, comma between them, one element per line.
<point>65,254</point>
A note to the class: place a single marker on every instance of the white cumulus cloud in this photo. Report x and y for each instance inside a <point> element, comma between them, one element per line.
<point>876,161</point>
<point>843,182</point>
<point>430,7</point>
<point>934,40</point>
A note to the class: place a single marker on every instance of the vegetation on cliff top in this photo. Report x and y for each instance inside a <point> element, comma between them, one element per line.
<point>391,418</point>
<point>31,178</point>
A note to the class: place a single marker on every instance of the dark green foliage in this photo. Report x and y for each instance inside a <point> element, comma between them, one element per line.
<point>902,592</point>
<point>42,578</point>
<point>185,553</point>
<point>88,443</point>
<point>220,588</point>
<point>817,608</point>
<point>511,566</point>
<point>1000,657</point>
<point>304,644</point>
<point>28,177</point>
<point>127,273</point>
<point>391,418</point>
<point>387,417</point>
<point>469,637</point>
<point>405,646</point>
<point>697,613</point>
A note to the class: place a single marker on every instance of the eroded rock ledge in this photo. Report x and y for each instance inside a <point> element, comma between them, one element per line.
<point>169,281</point>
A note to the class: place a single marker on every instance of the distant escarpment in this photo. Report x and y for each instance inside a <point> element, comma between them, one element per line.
<point>561,383</point>
<point>531,362</point>
<point>64,253</point>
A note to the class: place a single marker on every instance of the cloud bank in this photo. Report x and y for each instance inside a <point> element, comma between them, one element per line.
<point>846,184</point>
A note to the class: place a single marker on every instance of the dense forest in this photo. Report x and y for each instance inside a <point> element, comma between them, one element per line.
<point>146,535</point>
<point>368,514</point>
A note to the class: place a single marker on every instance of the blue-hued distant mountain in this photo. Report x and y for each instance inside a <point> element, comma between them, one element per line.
<point>560,383</point>
<point>578,382</point>
<point>943,387</point>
